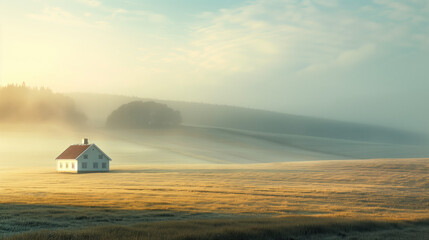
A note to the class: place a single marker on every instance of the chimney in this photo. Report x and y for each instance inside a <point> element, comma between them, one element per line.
<point>85,141</point>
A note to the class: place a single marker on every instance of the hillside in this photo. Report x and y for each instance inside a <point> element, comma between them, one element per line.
<point>99,106</point>
<point>204,140</point>
<point>31,147</point>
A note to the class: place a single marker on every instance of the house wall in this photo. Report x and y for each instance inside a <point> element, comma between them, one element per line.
<point>67,165</point>
<point>92,157</point>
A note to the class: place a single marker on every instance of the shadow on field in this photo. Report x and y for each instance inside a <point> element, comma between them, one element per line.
<point>72,222</point>
<point>19,218</point>
<point>205,171</point>
<point>136,171</point>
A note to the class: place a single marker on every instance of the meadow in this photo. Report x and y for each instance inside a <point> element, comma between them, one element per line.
<point>349,192</point>
<point>287,228</point>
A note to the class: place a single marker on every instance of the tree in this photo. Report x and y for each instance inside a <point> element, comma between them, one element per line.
<point>140,114</point>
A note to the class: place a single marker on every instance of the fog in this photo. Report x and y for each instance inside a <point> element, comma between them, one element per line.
<point>37,125</point>
<point>21,104</point>
<point>99,106</point>
<point>291,79</point>
<point>359,61</point>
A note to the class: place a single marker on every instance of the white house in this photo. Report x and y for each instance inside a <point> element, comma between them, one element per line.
<point>83,157</point>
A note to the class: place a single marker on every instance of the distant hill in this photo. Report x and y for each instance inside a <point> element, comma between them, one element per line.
<point>21,104</point>
<point>139,114</point>
<point>99,106</point>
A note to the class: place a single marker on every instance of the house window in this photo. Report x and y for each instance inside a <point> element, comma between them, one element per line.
<point>72,165</point>
<point>103,165</point>
<point>67,165</point>
<point>84,165</point>
<point>85,156</point>
<point>100,156</point>
<point>95,165</point>
<point>61,165</point>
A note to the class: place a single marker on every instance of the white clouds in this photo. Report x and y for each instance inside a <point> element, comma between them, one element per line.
<point>289,36</point>
<point>152,17</point>
<point>296,36</point>
<point>356,55</point>
<point>91,3</point>
<point>58,15</point>
<point>259,36</point>
<point>100,17</point>
<point>285,50</point>
<point>345,59</point>
<point>118,11</point>
<point>414,11</point>
<point>138,15</point>
<point>327,3</point>
<point>233,41</point>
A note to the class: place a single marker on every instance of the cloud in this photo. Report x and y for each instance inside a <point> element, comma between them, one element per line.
<point>232,41</point>
<point>138,15</point>
<point>118,11</point>
<point>152,17</point>
<point>327,3</point>
<point>356,55</point>
<point>265,34</point>
<point>295,36</point>
<point>91,3</point>
<point>415,10</point>
<point>345,59</point>
<point>58,15</point>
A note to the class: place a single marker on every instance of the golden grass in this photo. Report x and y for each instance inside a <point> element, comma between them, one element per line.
<point>392,189</point>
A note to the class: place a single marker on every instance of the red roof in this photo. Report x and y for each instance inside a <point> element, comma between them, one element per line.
<point>73,151</point>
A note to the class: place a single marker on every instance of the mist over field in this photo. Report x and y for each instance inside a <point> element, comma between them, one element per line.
<point>21,104</point>
<point>208,134</point>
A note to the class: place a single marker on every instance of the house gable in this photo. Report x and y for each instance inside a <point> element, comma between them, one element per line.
<point>91,155</point>
<point>102,152</point>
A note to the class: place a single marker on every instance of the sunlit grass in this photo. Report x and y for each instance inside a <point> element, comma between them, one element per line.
<point>379,189</point>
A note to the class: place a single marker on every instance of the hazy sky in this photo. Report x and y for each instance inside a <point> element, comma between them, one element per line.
<point>365,60</point>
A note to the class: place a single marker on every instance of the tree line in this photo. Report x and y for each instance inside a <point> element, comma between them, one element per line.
<point>22,104</point>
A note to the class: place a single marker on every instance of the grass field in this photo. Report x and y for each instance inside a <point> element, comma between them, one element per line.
<point>380,190</point>
<point>253,228</point>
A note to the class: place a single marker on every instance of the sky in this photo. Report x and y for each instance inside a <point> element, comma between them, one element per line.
<point>362,61</point>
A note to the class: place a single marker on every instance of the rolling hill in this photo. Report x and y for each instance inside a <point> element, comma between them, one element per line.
<point>99,106</point>
<point>210,134</point>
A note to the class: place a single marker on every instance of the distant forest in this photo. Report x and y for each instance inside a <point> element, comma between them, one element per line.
<point>98,106</point>
<point>22,104</point>
<point>139,114</point>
